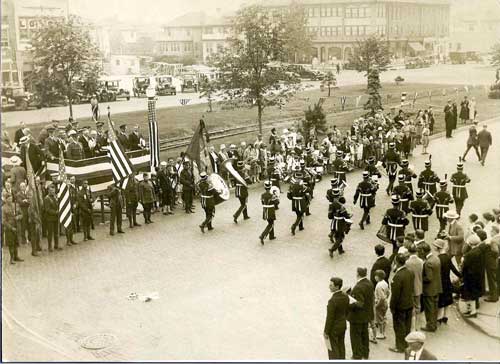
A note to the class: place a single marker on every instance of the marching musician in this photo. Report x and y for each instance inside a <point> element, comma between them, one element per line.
<point>366,192</point>
<point>421,211</point>
<point>298,195</point>
<point>334,183</point>
<point>186,179</point>
<point>459,180</point>
<point>340,225</point>
<point>391,162</point>
<point>371,168</point>
<point>404,193</point>
<point>274,172</point>
<point>270,203</point>
<point>408,173</point>
<point>428,179</point>
<point>443,200</point>
<point>241,192</point>
<point>207,194</point>
<point>395,220</point>
<point>340,167</point>
<point>309,177</point>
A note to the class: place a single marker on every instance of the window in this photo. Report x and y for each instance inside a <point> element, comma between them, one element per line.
<point>355,13</point>
<point>5,37</point>
<point>348,31</point>
<point>323,12</point>
<point>316,12</point>
<point>328,12</point>
<point>348,13</point>
<point>117,62</point>
<point>311,12</point>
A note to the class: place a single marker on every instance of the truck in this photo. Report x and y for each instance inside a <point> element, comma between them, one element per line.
<point>15,98</point>
<point>189,81</point>
<point>140,85</point>
<point>164,85</point>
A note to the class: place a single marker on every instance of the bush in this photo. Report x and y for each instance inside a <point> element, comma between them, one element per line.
<point>399,79</point>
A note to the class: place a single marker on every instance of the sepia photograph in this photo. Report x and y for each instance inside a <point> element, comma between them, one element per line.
<point>250,180</point>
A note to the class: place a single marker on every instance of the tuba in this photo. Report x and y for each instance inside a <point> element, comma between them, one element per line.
<point>228,165</point>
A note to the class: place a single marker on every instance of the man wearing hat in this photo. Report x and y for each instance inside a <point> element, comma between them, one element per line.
<point>32,150</point>
<point>449,118</point>
<point>428,179</point>
<point>241,192</point>
<point>472,142</point>
<point>442,200</point>
<point>147,197</point>
<point>340,224</point>
<point>404,193</point>
<point>84,198</point>
<point>485,140</point>
<point>52,146</point>
<point>273,172</point>
<point>19,133</point>
<point>115,205</point>
<point>336,320</point>
<point>298,195</point>
<point>131,194</point>
<point>371,168</point>
<point>207,198</point>
<point>186,179</point>
<point>83,139</point>
<point>166,190</point>
<point>432,286</point>
<point>123,137</point>
<point>135,139</point>
<point>17,172</point>
<point>455,235</point>
<point>334,184</point>
<point>340,167</point>
<point>270,203</point>
<point>101,138</point>
<point>421,210</point>
<point>366,192</point>
<point>395,220</point>
<point>416,350</point>
<point>459,180</point>
<point>74,150</point>
<point>408,173</point>
<point>391,162</point>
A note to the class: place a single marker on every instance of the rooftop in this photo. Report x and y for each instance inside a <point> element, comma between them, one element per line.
<point>198,19</point>
<point>272,3</point>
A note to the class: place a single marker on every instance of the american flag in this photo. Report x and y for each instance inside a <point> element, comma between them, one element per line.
<point>120,164</point>
<point>343,100</point>
<point>65,215</point>
<point>154,141</point>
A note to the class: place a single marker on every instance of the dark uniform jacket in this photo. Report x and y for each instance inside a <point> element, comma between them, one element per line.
<point>420,213</point>
<point>123,139</point>
<point>391,162</point>
<point>396,221</point>
<point>373,170</point>
<point>35,154</point>
<point>340,168</point>
<point>432,285</point>
<point>338,214</point>
<point>402,290</point>
<point>207,195</point>
<point>87,152</point>
<point>52,147</point>
<point>298,195</point>
<point>427,180</point>
<point>187,180</point>
<point>442,201</point>
<point>484,138</point>
<point>84,202</point>
<point>132,192</point>
<point>146,192</point>
<point>459,180</point>
<point>134,141</point>
<point>336,314</point>
<point>51,208</point>
<point>409,175</point>
<point>405,196</point>
<point>366,193</point>
<point>74,151</point>
<point>115,197</point>
<point>362,311</point>
<point>269,204</point>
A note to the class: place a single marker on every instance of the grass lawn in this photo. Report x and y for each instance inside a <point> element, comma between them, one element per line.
<point>182,120</point>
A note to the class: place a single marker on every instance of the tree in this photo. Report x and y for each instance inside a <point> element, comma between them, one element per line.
<point>315,121</point>
<point>495,55</point>
<point>297,40</point>
<point>208,89</point>
<point>251,68</point>
<point>330,81</point>
<point>374,102</point>
<point>64,53</point>
<point>370,53</point>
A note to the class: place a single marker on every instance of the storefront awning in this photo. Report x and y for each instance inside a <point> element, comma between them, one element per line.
<point>417,47</point>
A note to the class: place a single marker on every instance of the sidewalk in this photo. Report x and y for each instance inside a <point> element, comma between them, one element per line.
<point>487,320</point>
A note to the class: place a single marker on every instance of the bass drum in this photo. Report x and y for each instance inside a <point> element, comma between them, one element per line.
<point>220,186</point>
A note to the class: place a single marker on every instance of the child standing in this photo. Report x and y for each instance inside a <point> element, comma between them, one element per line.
<point>426,131</point>
<point>381,305</point>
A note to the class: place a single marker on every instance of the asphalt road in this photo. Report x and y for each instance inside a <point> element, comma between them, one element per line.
<point>221,295</point>
<point>469,74</point>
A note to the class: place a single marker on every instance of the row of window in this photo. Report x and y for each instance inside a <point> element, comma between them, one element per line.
<point>350,30</point>
<point>350,12</point>
<point>404,12</point>
<point>206,30</point>
<point>177,47</point>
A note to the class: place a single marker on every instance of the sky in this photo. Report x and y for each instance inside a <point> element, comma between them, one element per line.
<point>146,11</point>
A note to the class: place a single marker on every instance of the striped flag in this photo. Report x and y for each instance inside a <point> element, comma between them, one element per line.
<point>120,164</point>
<point>154,139</point>
<point>343,100</point>
<point>403,98</point>
<point>64,202</point>
<point>184,102</point>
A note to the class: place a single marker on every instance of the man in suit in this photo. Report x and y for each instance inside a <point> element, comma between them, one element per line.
<point>51,210</point>
<point>115,206</point>
<point>432,286</point>
<point>19,132</point>
<point>382,263</point>
<point>74,149</point>
<point>134,139</point>
<point>52,145</point>
<point>336,316</point>
<point>30,149</point>
<point>401,304</point>
<point>485,140</point>
<point>187,181</point>
<point>448,118</point>
<point>416,350</point>
<point>123,137</point>
<point>455,235</point>
<point>84,198</point>
<point>83,139</point>
<point>416,266</point>
<point>360,314</point>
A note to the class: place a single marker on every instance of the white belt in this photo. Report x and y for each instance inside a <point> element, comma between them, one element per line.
<point>395,225</point>
<point>338,218</point>
<point>239,185</point>
<point>459,186</point>
<point>420,216</point>
<point>429,183</point>
<point>339,171</point>
<point>207,196</point>
<point>268,206</point>
<point>297,198</point>
<point>403,200</point>
<point>442,206</point>
<point>365,194</point>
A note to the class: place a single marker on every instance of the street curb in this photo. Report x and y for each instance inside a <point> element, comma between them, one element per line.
<point>475,325</point>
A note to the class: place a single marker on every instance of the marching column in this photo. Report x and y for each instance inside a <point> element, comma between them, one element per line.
<point>298,195</point>
<point>207,194</point>
<point>241,193</point>
<point>395,220</point>
<point>391,163</point>
<point>340,224</point>
<point>428,179</point>
<point>443,200</point>
<point>269,204</point>
<point>459,180</point>
<point>404,193</point>
<point>421,211</point>
<point>365,191</point>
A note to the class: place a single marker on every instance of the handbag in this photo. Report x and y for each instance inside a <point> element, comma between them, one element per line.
<point>382,234</point>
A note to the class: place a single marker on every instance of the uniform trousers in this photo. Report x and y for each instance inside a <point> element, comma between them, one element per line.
<point>53,232</point>
<point>116,216</point>
<point>147,207</point>
<point>209,214</point>
<point>242,208</point>
<point>132,213</point>
<point>484,153</point>
<point>401,321</point>
<point>269,229</point>
<point>299,221</point>
<point>338,346</point>
<point>85,224</point>
<point>360,343</point>
<point>431,310</point>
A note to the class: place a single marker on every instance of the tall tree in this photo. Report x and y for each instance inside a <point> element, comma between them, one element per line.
<point>208,89</point>
<point>251,68</point>
<point>374,102</point>
<point>63,52</point>
<point>297,40</point>
<point>495,55</point>
<point>314,122</point>
<point>370,53</point>
<point>330,81</point>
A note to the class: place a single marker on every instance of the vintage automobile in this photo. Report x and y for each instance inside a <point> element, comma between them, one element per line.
<point>164,85</point>
<point>302,72</point>
<point>189,82</point>
<point>110,90</point>
<point>15,98</point>
<point>141,83</point>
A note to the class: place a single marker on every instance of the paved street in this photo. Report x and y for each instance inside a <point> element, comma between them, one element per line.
<point>469,74</point>
<point>221,295</point>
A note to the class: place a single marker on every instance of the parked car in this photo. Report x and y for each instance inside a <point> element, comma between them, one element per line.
<point>189,82</point>
<point>15,98</point>
<point>141,83</point>
<point>302,72</point>
<point>164,85</point>
<point>110,90</point>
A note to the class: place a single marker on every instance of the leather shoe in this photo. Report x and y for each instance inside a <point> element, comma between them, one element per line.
<point>428,329</point>
<point>272,237</point>
<point>136,224</point>
<point>235,219</point>
<point>121,232</point>
<point>19,260</point>
<point>59,248</point>
<point>396,350</point>
<point>90,238</point>
<point>202,228</point>
<point>261,240</point>
<point>490,300</point>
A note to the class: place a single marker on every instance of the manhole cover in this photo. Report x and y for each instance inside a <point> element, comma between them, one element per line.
<point>98,341</point>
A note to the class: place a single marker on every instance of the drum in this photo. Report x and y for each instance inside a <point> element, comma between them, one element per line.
<point>220,186</point>
<point>275,192</point>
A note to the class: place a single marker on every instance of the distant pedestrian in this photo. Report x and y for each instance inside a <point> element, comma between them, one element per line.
<point>432,286</point>
<point>94,107</point>
<point>484,140</point>
<point>448,118</point>
<point>425,138</point>
<point>472,142</point>
<point>464,110</point>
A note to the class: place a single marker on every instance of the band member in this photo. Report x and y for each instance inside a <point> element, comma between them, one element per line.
<point>459,180</point>
<point>365,191</point>
<point>371,168</point>
<point>408,173</point>
<point>207,193</point>
<point>421,211</point>
<point>391,162</point>
<point>443,200</point>
<point>340,167</point>
<point>241,192</point>
<point>51,209</point>
<point>404,194</point>
<point>274,174</point>
<point>340,225</point>
<point>334,183</point>
<point>396,221</point>
<point>115,207</point>
<point>310,190</point>
<point>428,179</point>
<point>299,197</point>
<point>187,181</point>
<point>269,204</point>
<point>84,199</point>
<point>147,197</point>
<point>132,201</point>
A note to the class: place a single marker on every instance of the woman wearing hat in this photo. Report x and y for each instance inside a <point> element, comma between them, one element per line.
<point>446,297</point>
<point>472,273</point>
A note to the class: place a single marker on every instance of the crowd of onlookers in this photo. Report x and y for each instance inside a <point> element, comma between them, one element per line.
<point>417,284</point>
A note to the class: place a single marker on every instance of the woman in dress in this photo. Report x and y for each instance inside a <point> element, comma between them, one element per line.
<point>472,109</point>
<point>446,297</point>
